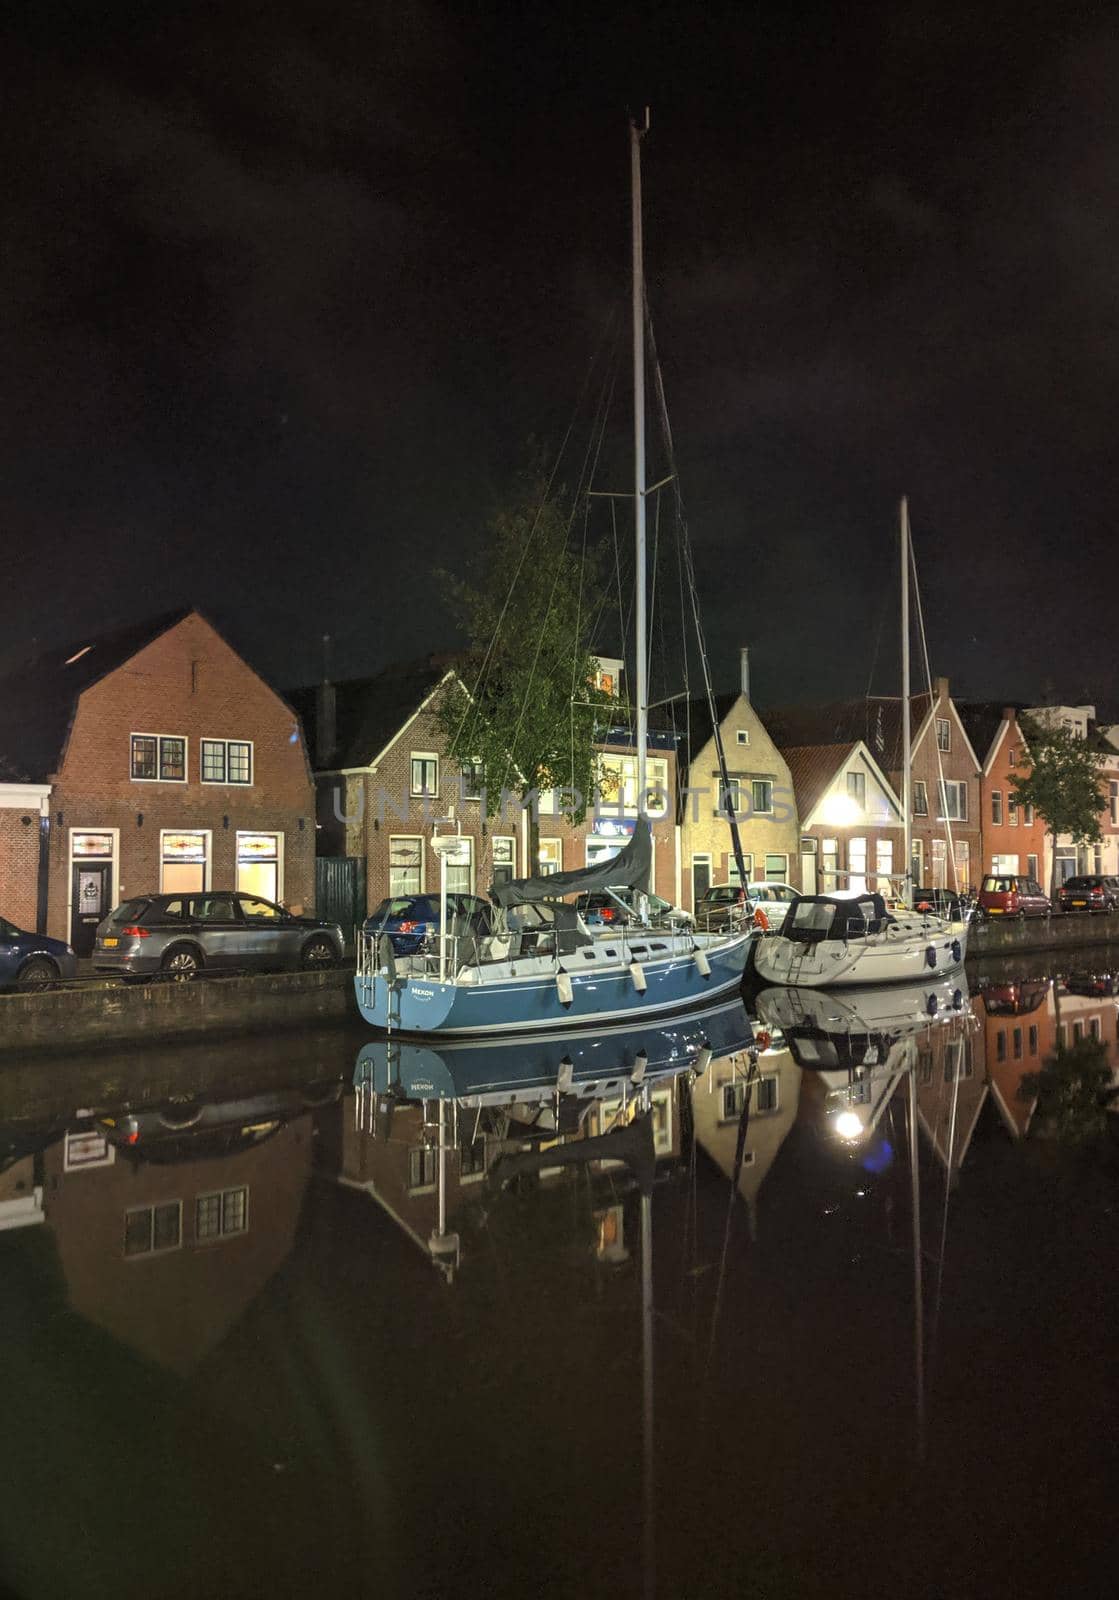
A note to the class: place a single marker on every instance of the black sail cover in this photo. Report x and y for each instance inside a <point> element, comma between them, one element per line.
<point>629,869</point>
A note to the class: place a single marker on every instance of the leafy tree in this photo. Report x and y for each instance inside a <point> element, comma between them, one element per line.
<point>528,608</point>
<point>1061,781</point>
<point>1071,1091</point>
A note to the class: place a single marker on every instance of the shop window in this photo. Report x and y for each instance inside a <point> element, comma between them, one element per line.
<point>148,1229</point>
<point>158,758</point>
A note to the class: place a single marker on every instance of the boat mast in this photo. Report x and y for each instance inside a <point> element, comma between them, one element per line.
<point>906,754</point>
<point>640,601</point>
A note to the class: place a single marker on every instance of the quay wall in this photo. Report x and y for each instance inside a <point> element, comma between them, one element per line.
<point>1041,933</point>
<point>86,1016</point>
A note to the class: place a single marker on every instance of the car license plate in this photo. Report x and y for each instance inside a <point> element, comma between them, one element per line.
<point>109,944</point>
<point>996,911</point>
<point>1078,903</point>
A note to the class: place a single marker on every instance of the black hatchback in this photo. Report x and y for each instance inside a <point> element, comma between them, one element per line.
<point>1090,893</point>
<point>181,934</point>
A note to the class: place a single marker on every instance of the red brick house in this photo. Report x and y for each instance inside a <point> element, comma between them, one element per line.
<point>24,821</point>
<point>383,777</point>
<point>1013,837</point>
<point>945,771</point>
<point>171,765</point>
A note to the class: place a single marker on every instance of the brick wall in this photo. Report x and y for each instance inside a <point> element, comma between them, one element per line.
<point>187,683</point>
<point>19,865</point>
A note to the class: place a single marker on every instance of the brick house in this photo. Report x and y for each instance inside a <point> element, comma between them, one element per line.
<point>851,832</point>
<point>383,777</point>
<point>1013,837</point>
<point>171,765</point>
<point>940,753</point>
<point>24,824</point>
<point>1071,857</point>
<point>762,797</point>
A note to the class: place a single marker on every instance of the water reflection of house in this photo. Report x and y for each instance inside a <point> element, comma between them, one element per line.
<point>717,1101</point>
<point>167,1257</point>
<point>21,1198</point>
<point>1018,1029</point>
<point>950,1063</point>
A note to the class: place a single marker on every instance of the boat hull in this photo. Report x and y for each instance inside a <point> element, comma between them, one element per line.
<point>520,1004</point>
<point>925,951</point>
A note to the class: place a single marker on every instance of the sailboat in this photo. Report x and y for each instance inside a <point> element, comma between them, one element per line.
<point>849,936</point>
<point>544,968</point>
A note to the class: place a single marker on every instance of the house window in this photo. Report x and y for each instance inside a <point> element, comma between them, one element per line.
<point>504,859</point>
<point>158,758</point>
<point>1012,810</point>
<point>1000,1044</point>
<point>1011,756</point>
<point>776,869</point>
<point>1094,1027</point>
<point>1113,800</point>
<point>1017,1044</point>
<point>260,858</point>
<point>472,1159</point>
<point>1033,1039</point>
<point>701,877</point>
<point>743,736</point>
<point>732,869</point>
<point>217,1216</point>
<point>920,798</point>
<point>425,774</point>
<point>406,865</point>
<point>856,789</point>
<point>996,807</point>
<point>421,1167</point>
<point>472,780</point>
<point>1028,815</point>
<point>957,1061</point>
<point>617,784</point>
<point>1031,866</point>
<point>884,863</point>
<point>227,761</point>
<point>829,864</point>
<point>856,864</point>
<point>550,857</point>
<point>1077,1032</point>
<point>763,1098</point>
<point>765,1094</point>
<point>943,734</point>
<point>924,1066</point>
<point>953,801</point>
<point>460,868</point>
<point>151,1228</point>
<point>730,798</point>
<point>939,864</point>
<point>182,861</point>
<point>761,796</point>
<point>962,851</point>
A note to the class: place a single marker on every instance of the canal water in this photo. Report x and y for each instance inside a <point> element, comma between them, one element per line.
<point>641,1314</point>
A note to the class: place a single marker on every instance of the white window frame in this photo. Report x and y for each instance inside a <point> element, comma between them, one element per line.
<point>466,842</point>
<point>853,872</point>
<point>546,867</point>
<point>959,787</point>
<point>776,855</point>
<point>703,857</point>
<point>422,755</point>
<point>464,792</point>
<point>884,864</point>
<point>996,808</point>
<point>409,838</point>
<point>944,724</point>
<point>511,840</point>
<point>163,1250</point>
<point>220,1194</point>
<point>766,810</point>
<point>743,736</point>
<point>203,833</point>
<point>114,868</point>
<point>422,1188</point>
<point>159,738</point>
<point>244,833</point>
<point>227,782</point>
<point>920,789</point>
<point>1011,811</point>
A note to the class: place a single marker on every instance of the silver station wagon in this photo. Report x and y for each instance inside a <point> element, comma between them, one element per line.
<point>181,934</point>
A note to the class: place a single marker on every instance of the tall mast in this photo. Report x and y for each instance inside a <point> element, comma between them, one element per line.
<point>640,602</point>
<point>906,755</point>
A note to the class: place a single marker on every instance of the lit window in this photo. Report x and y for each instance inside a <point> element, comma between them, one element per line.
<point>144,755</point>
<point>217,1216</point>
<point>856,789</point>
<point>1012,810</point>
<point>406,856</point>
<point>240,761</point>
<point>172,760</point>
<point>213,761</point>
<point>550,856</point>
<point>953,801</point>
<point>227,761</point>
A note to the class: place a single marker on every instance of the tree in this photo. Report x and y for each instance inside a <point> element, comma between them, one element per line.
<point>1062,784</point>
<point>531,714</point>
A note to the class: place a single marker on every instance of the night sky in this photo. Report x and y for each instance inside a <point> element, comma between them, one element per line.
<point>286,290</point>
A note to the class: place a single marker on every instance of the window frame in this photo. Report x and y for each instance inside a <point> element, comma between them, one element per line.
<point>226,782</point>
<point>996,808</point>
<point>473,767</point>
<point>764,810</point>
<point>544,868</point>
<point>920,794</point>
<point>153,1250</point>
<point>223,1233</point>
<point>958,786</point>
<point>425,757</point>
<point>160,739</point>
<point>426,1152</point>
<point>510,865</point>
<point>410,838</point>
<point>944,723</point>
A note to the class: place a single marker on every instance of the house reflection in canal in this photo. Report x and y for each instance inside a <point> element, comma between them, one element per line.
<point>718,1097</point>
<point>167,1254</point>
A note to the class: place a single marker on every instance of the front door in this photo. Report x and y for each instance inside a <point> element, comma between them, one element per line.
<point>91,899</point>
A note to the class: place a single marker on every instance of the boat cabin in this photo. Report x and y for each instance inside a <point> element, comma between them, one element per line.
<point>816,917</point>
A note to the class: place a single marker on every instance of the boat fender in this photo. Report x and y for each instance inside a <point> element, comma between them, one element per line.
<point>564,989</point>
<point>956,951</point>
<point>702,965</point>
<point>761,920</point>
<point>566,1074</point>
<point>957,1000</point>
<point>931,1005</point>
<point>640,1062</point>
<point>930,956</point>
<point>637,973</point>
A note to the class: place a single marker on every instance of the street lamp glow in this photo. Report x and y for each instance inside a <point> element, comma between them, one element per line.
<point>848,1125</point>
<point>840,811</point>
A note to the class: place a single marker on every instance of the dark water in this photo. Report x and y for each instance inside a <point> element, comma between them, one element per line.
<point>230,1366</point>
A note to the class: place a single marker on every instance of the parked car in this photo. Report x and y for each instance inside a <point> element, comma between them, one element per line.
<point>615,907</point>
<point>1090,893</point>
<point>1003,895</point>
<point>193,1130</point>
<point>725,903</point>
<point>31,960</point>
<point>948,903</point>
<point>180,934</point>
<point>410,919</point>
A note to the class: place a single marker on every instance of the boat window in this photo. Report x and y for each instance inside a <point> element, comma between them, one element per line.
<point>611,952</point>
<point>813,916</point>
<point>658,947</point>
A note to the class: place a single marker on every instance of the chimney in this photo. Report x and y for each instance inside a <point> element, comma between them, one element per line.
<point>326,719</point>
<point>744,670</point>
<point>1008,713</point>
<point>940,688</point>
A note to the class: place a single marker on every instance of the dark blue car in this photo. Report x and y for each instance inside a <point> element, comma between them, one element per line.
<point>409,919</point>
<point>31,960</point>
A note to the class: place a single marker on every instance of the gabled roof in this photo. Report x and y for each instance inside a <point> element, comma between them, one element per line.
<point>813,768</point>
<point>37,701</point>
<point>370,712</point>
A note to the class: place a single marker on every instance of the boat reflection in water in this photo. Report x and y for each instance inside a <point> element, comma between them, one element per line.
<point>431,1118</point>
